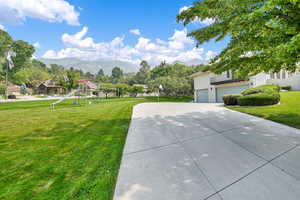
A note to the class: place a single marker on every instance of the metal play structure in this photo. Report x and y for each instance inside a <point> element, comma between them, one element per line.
<point>82,92</point>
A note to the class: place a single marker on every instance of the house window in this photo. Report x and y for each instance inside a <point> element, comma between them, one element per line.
<point>283,75</point>
<point>272,75</point>
<point>228,74</point>
<point>278,75</point>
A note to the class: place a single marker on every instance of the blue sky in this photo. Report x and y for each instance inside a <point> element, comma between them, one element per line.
<point>47,22</point>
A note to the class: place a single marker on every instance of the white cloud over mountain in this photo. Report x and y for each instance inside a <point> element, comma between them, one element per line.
<point>178,47</point>
<point>16,11</point>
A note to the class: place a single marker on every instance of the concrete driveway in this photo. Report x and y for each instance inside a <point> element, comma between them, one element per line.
<point>178,151</point>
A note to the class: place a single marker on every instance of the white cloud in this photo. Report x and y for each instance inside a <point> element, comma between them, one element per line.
<point>178,47</point>
<point>184,8</point>
<point>16,11</point>
<point>37,45</point>
<point>210,54</point>
<point>2,27</point>
<point>77,41</point>
<point>205,22</point>
<point>179,40</point>
<point>159,41</point>
<point>135,31</point>
<point>197,20</point>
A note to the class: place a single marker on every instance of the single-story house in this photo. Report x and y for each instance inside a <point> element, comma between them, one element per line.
<point>210,87</point>
<point>13,89</point>
<point>51,87</point>
<point>88,87</point>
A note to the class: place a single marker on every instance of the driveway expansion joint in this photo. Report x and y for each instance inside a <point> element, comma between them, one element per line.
<point>187,156</point>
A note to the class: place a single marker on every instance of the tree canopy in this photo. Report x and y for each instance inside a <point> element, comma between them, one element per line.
<point>142,75</point>
<point>24,52</point>
<point>5,43</point>
<point>116,75</point>
<point>264,34</point>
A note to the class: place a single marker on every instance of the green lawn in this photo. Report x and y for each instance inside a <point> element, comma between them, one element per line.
<point>73,152</point>
<point>288,112</point>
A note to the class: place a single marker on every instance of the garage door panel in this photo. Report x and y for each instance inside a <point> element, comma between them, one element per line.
<point>229,90</point>
<point>202,96</point>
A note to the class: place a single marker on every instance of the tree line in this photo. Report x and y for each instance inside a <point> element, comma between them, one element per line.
<point>174,78</point>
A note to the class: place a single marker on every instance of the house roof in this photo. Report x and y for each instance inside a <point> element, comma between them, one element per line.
<point>91,85</point>
<point>199,73</point>
<point>13,88</point>
<point>53,82</point>
<point>141,85</point>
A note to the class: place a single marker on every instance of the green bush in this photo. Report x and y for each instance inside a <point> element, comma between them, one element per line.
<point>262,89</point>
<point>259,99</point>
<point>2,89</point>
<point>231,99</point>
<point>286,87</point>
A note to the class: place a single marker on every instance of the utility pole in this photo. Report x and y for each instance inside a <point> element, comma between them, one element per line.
<point>159,88</point>
<point>6,81</point>
<point>10,64</point>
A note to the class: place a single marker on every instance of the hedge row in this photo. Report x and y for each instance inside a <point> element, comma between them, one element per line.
<point>259,99</point>
<point>258,96</point>
<point>262,89</point>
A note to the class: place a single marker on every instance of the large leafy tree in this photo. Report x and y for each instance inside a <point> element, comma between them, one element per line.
<point>56,69</point>
<point>172,86</point>
<point>5,43</point>
<point>264,34</point>
<point>31,75</point>
<point>143,74</point>
<point>116,75</point>
<point>100,72</point>
<point>24,52</point>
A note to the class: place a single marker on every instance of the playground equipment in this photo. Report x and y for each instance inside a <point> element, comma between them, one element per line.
<point>63,98</point>
<point>83,91</point>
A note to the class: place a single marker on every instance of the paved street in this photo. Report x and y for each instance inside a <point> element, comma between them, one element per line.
<point>187,151</point>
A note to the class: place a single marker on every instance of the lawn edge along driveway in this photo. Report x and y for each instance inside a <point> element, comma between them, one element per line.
<point>287,112</point>
<point>206,151</point>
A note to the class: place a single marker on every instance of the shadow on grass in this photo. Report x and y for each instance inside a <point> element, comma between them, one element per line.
<point>290,119</point>
<point>70,161</point>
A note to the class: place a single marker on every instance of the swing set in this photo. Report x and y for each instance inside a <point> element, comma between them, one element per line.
<point>81,95</point>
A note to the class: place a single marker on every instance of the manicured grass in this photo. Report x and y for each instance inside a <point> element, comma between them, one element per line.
<point>288,112</point>
<point>73,152</point>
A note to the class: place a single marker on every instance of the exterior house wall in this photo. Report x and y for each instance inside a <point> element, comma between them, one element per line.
<point>259,79</point>
<point>293,81</point>
<point>283,78</point>
<point>202,81</point>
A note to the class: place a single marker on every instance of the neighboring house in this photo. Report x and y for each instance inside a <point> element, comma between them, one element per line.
<point>141,85</point>
<point>51,87</point>
<point>209,87</point>
<point>92,88</point>
<point>13,89</point>
<point>88,87</point>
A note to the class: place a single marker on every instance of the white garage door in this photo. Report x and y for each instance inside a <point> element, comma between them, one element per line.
<point>229,90</point>
<point>202,96</point>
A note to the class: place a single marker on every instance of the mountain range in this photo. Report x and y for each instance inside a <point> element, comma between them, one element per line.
<point>92,66</point>
<point>105,64</point>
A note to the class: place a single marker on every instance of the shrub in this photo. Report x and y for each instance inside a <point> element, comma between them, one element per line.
<point>286,87</point>
<point>259,99</point>
<point>262,89</point>
<point>2,89</point>
<point>231,99</point>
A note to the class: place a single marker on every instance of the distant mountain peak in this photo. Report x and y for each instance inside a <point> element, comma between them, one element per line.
<point>93,66</point>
